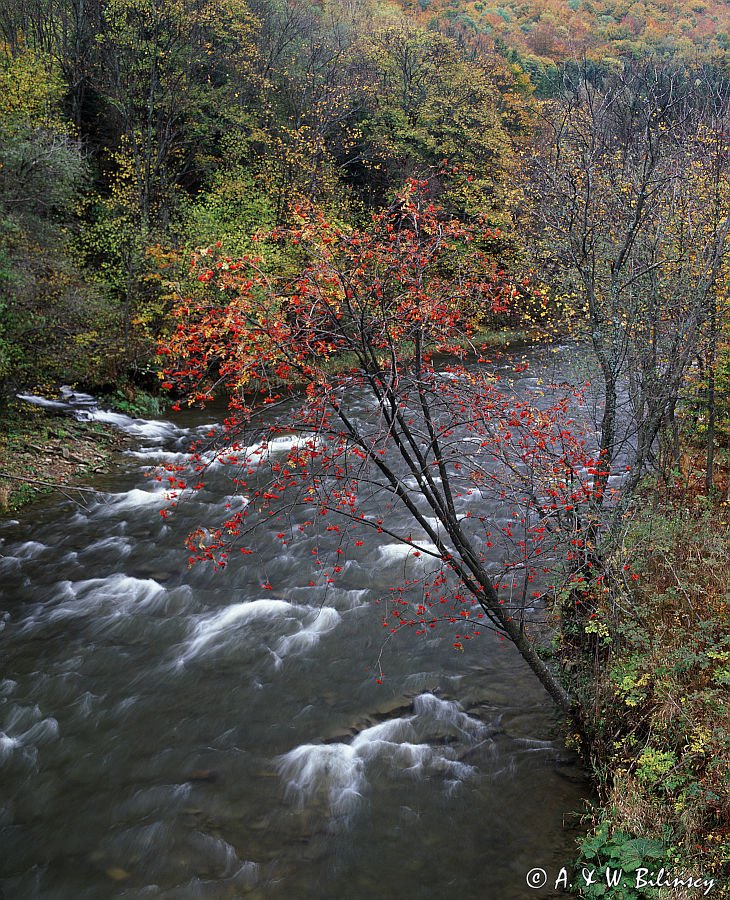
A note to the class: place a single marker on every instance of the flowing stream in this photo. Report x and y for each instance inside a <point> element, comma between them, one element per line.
<point>184,733</point>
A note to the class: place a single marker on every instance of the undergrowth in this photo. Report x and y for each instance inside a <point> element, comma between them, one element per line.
<point>650,665</point>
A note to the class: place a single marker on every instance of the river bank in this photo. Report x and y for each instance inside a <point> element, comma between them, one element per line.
<point>650,671</point>
<point>43,449</point>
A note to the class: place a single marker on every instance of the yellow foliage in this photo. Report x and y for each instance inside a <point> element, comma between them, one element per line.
<point>31,92</point>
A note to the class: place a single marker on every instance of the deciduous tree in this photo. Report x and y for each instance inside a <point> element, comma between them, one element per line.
<point>629,192</point>
<point>362,322</point>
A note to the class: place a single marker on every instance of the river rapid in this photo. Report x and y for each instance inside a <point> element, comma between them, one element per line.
<point>187,733</point>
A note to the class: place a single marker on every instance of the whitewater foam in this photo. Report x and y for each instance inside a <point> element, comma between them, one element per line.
<point>336,773</point>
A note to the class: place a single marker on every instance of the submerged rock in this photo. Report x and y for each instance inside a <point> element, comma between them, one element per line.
<point>117,874</point>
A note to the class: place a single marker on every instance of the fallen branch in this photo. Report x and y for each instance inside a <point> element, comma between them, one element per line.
<point>50,484</point>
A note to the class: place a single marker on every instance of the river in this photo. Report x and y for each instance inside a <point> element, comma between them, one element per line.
<point>184,733</point>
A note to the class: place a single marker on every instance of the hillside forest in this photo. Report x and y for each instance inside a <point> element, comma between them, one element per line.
<point>536,171</point>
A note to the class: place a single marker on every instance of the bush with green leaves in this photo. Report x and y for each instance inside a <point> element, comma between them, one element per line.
<point>612,858</point>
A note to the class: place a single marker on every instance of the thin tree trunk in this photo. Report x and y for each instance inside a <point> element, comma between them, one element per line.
<point>711,399</point>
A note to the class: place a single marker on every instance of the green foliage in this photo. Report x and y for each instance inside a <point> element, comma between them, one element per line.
<point>231,211</point>
<point>110,244</point>
<point>426,104</point>
<point>41,164</point>
<point>53,325</point>
<point>134,402</point>
<point>166,70</point>
<point>31,92</point>
<point>40,172</point>
<point>654,766</point>
<point>22,495</point>
<point>617,851</point>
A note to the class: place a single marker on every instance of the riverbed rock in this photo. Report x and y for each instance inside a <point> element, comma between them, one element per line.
<point>203,776</point>
<point>117,874</point>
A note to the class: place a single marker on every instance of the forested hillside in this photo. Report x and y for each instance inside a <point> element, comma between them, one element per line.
<point>133,132</point>
<point>542,33</point>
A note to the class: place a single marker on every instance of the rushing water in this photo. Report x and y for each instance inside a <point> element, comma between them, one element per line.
<point>167,732</point>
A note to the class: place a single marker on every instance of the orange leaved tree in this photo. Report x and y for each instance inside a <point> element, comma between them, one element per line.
<point>360,379</point>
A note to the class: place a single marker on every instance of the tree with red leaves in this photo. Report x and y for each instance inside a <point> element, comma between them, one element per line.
<point>386,317</point>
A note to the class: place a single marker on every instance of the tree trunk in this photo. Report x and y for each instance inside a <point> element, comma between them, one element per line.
<point>548,679</point>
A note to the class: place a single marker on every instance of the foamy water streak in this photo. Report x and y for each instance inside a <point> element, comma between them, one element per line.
<point>423,743</point>
<point>415,550</point>
<point>25,731</point>
<point>145,429</point>
<point>303,626</point>
<point>102,603</point>
<point>138,497</point>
